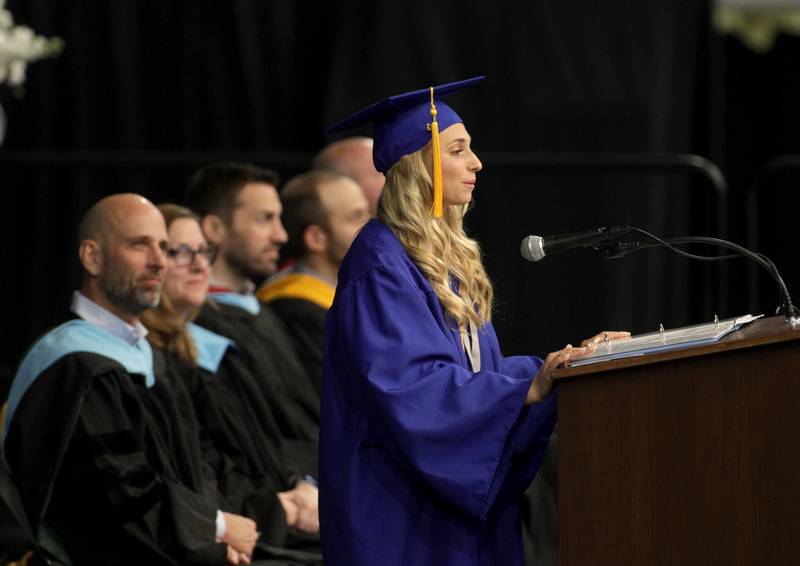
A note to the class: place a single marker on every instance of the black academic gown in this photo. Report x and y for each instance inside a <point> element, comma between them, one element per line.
<point>241,444</point>
<point>107,464</point>
<point>268,353</point>
<point>305,321</point>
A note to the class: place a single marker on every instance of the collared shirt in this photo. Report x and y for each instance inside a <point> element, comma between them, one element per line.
<point>248,287</point>
<point>243,299</point>
<point>101,317</point>
<point>303,267</point>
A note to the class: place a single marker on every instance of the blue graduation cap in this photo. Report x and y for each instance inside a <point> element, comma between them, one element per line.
<point>404,123</point>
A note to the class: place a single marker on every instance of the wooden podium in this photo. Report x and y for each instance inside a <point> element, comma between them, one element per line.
<point>687,457</point>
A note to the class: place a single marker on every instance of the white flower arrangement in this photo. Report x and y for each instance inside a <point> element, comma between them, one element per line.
<point>19,45</point>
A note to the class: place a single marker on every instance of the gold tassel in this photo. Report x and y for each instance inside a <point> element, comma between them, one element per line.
<point>437,162</point>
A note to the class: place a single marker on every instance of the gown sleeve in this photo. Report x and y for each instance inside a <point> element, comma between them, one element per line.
<point>133,476</point>
<point>536,423</point>
<point>452,428</point>
<point>537,420</point>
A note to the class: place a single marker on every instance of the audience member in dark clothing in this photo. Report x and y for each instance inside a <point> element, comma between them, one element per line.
<point>322,212</point>
<point>99,435</point>
<point>243,444</point>
<point>352,156</point>
<point>241,216</point>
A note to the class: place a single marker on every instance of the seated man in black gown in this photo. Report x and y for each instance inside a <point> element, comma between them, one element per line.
<point>98,435</point>
<point>322,211</point>
<point>241,215</point>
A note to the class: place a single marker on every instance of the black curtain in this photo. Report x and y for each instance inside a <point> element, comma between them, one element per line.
<point>757,120</point>
<point>250,75</point>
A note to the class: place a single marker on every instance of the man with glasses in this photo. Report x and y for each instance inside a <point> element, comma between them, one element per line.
<point>110,473</point>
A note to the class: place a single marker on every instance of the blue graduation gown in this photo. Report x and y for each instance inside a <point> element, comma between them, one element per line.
<point>422,461</point>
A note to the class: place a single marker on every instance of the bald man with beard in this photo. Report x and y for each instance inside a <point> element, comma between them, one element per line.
<point>98,435</point>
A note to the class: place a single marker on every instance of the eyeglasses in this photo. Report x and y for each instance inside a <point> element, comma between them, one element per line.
<point>184,255</point>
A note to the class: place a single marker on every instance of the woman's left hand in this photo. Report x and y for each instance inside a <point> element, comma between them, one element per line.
<point>542,382</point>
<point>606,335</point>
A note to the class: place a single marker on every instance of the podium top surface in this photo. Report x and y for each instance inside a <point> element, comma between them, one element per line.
<point>761,332</point>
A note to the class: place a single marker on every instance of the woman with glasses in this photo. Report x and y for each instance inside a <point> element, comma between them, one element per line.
<point>242,444</point>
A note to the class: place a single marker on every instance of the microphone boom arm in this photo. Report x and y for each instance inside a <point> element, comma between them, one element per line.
<point>787,308</point>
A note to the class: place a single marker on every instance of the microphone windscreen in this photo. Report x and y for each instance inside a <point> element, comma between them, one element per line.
<point>532,248</point>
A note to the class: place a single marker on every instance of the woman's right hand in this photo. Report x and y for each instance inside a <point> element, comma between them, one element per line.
<point>240,534</point>
<point>542,383</point>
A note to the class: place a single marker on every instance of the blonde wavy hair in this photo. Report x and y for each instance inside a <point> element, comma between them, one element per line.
<point>439,246</point>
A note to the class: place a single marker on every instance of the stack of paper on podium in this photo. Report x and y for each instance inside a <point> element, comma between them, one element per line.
<point>664,340</point>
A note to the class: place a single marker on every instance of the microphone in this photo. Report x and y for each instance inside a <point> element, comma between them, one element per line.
<point>605,240</point>
<point>535,248</point>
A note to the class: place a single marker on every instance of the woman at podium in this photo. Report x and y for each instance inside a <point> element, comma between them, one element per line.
<point>429,436</point>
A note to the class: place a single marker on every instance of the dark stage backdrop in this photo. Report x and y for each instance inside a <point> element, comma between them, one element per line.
<point>252,75</point>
